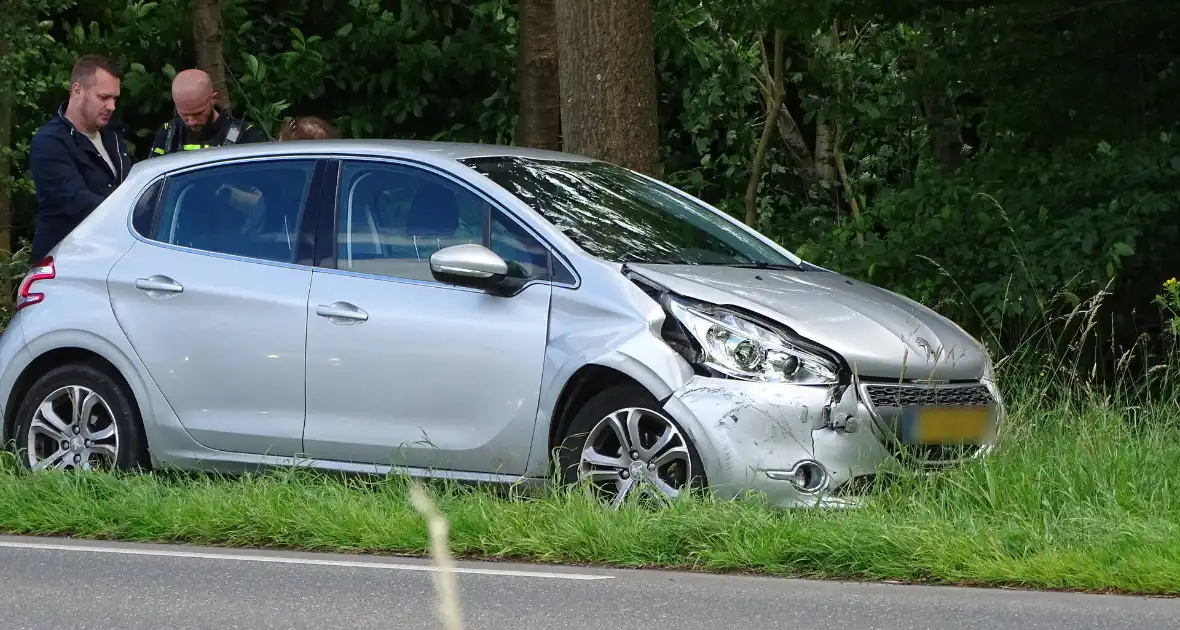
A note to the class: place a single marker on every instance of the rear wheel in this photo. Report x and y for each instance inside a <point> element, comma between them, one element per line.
<point>622,444</point>
<point>79,416</point>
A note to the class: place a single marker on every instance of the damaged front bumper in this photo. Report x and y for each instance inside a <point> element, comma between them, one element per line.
<point>798,445</point>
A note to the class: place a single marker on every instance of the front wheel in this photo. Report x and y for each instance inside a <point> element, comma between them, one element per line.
<point>622,444</point>
<point>78,416</point>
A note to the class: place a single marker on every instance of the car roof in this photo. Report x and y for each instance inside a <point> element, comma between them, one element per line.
<point>424,150</point>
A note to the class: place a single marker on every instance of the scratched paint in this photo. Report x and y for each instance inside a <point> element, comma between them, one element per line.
<point>773,426</point>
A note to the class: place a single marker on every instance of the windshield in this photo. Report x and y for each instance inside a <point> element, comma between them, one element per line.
<point>618,216</point>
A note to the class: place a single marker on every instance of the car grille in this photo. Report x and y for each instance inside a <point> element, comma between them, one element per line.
<point>888,399</point>
<point>904,395</point>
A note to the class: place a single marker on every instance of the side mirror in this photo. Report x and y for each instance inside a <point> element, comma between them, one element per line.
<point>473,266</point>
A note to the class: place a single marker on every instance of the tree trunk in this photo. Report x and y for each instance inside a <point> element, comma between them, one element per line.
<point>825,139</point>
<point>608,81</point>
<point>207,39</point>
<point>539,123</point>
<point>825,166</point>
<point>5,163</point>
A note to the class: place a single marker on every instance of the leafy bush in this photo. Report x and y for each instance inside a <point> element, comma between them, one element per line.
<point>1008,162</point>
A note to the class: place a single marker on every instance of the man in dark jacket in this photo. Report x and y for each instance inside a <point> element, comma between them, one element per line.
<point>199,123</point>
<point>75,159</point>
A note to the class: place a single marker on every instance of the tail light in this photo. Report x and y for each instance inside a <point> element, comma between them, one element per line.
<point>43,270</point>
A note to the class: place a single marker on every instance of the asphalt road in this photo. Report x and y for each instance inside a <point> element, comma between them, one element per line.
<point>55,583</point>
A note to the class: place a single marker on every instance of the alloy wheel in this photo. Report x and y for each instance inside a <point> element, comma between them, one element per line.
<point>72,428</point>
<point>635,450</point>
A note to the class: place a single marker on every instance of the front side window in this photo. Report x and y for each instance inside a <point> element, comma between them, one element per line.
<point>391,218</point>
<point>250,209</point>
<point>618,216</point>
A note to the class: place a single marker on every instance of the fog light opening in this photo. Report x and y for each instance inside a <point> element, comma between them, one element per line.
<point>808,477</point>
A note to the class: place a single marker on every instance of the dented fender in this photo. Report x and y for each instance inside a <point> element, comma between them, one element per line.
<point>621,333</point>
<point>755,432</point>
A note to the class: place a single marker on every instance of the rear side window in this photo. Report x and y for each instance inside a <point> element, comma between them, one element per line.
<point>145,208</point>
<point>248,209</point>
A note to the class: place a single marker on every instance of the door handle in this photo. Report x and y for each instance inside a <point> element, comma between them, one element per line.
<point>158,283</point>
<point>341,310</point>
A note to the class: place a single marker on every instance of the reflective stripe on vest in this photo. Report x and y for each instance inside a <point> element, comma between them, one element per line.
<point>231,137</point>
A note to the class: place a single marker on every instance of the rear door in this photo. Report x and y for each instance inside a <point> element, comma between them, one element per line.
<point>214,299</point>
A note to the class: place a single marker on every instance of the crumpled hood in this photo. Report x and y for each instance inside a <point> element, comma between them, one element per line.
<point>872,328</point>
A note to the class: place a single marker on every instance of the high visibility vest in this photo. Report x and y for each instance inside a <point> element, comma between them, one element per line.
<point>231,137</point>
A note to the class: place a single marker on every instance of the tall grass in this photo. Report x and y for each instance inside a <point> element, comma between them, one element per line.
<point>1081,495</point>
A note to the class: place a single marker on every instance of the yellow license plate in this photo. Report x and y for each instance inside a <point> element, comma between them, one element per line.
<point>945,425</point>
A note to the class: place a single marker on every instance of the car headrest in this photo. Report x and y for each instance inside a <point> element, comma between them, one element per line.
<point>433,212</point>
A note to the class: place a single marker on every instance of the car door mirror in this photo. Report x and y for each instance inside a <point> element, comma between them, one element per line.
<point>473,266</point>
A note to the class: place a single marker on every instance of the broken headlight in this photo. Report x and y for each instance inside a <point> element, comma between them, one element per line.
<point>738,347</point>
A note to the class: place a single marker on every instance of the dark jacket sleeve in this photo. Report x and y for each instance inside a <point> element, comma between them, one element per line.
<point>58,182</point>
<point>251,133</point>
<point>158,142</point>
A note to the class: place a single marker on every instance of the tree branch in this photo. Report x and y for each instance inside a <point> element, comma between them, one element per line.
<point>797,148</point>
<point>776,98</point>
<point>838,158</point>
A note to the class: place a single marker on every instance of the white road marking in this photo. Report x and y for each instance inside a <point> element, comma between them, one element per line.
<point>170,553</point>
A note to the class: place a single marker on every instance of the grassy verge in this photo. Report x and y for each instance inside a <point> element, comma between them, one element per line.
<point>1080,497</point>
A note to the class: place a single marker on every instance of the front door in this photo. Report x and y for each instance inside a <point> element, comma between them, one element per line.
<point>403,370</point>
<point>215,306</point>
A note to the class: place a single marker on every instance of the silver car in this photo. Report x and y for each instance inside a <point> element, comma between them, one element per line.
<point>472,312</point>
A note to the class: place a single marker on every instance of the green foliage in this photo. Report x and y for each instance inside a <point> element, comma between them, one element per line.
<point>708,102</point>
<point>376,71</point>
<point>1010,162</point>
<point>1014,235</point>
<point>24,79</point>
<point>440,70</point>
<point>12,270</point>
<point>1169,300</point>
<point>1009,159</point>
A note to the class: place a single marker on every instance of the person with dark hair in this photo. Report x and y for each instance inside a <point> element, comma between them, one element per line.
<point>77,159</point>
<point>307,128</point>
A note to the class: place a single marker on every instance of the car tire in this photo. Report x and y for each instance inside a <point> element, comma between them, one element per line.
<point>70,390</point>
<point>676,462</point>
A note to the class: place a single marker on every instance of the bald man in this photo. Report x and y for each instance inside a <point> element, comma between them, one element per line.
<point>199,123</point>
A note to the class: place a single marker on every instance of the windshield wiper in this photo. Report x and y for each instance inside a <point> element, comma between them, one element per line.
<point>759,265</point>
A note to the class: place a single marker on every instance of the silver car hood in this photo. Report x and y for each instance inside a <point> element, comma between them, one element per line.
<point>875,330</point>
